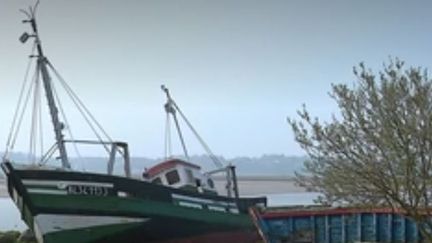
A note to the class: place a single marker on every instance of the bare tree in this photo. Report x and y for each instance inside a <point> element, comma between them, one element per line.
<point>378,150</point>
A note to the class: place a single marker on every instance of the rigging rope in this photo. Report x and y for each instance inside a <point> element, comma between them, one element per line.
<point>21,115</point>
<point>213,157</point>
<point>40,126</point>
<point>83,110</point>
<point>67,87</point>
<point>34,125</point>
<point>34,90</point>
<point>44,159</point>
<point>9,144</point>
<point>168,145</point>
<point>63,114</point>
<point>80,109</point>
<point>171,108</point>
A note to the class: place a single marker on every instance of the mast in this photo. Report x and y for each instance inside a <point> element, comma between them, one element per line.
<point>231,177</point>
<point>42,63</point>
<point>170,109</point>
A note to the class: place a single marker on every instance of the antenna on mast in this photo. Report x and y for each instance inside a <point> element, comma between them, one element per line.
<point>41,69</point>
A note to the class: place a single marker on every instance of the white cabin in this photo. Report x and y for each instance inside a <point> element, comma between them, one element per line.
<point>180,174</point>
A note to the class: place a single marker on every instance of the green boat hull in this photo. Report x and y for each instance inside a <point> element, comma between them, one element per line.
<point>82,207</point>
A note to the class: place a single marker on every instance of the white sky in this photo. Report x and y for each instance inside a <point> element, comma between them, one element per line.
<point>236,68</point>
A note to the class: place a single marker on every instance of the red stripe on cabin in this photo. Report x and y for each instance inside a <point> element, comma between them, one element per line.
<point>169,164</point>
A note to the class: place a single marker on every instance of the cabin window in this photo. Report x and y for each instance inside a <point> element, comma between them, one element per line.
<point>210,183</point>
<point>157,180</point>
<point>189,176</point>
<point>172,177</point>
<point>197,182</point>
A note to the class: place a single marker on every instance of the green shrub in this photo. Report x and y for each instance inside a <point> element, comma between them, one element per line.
<point>9,237</point>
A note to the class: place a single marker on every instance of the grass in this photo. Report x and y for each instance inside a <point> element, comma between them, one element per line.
<point>13,237</point>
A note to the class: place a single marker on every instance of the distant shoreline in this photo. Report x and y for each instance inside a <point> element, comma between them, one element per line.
<point>248,185</point>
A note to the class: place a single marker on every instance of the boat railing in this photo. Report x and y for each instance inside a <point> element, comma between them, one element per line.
<point>116,147</point>
<point>231,179</point>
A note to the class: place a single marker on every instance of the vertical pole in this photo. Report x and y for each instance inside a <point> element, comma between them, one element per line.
<point>313,225</point>
<point>390,227</point>
<point>327,229</point>
<point>375,226</point>
<point>403,228</point>
<point>234,179</point>
<point>228,180</point>
<point>126,159</point>
<point>169,108</point>
<point>58,126</point>
<point>180,134</point>
<point>343,229</point>
<point>359,227</point>
<point>111,159</point>
<point>291,227</point>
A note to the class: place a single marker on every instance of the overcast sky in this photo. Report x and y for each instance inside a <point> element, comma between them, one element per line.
<point>236,68</point>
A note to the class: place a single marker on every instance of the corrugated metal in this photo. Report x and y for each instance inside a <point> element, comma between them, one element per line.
<point>336,226</point>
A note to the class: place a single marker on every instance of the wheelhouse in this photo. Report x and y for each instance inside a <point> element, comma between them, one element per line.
<point>180,174</point>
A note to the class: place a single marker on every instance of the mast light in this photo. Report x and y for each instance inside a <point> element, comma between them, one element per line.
<point>24,37</point>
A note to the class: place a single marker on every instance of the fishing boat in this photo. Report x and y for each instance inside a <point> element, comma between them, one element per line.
<point>174,201</point>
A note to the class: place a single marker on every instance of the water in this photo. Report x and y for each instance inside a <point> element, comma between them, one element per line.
<point>291,199</point>
<point>10,216</point>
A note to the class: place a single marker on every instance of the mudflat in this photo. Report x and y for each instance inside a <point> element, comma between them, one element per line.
<point>261,185</point>
<point>247,186</point>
